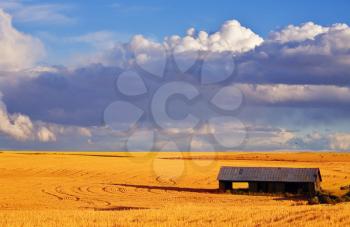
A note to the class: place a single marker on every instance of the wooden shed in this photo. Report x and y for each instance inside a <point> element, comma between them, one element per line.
<point>271,179</point>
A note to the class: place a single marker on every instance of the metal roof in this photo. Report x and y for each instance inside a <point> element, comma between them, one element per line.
<point>271,174</point>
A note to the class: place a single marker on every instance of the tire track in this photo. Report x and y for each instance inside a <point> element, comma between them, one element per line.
<point>59,190</point>
<point>61,194</point>
<point>168,181</point>
<point>120,191</point>
<point>85,193</point>
<point>51,194</point>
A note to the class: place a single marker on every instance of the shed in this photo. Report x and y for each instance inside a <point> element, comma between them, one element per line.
<point>271,179</point>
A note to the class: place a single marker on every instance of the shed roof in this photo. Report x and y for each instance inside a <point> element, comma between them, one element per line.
<point>271,174</point>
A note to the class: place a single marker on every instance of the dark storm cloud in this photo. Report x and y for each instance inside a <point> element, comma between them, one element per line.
<point>78,97</point>
<point>322,59</point>
<point>298,78</point>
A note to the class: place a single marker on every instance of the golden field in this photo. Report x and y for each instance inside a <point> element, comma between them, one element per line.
<point>157,189</point>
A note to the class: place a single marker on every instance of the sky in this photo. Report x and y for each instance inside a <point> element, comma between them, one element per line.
<point>174,75</point>
<point>157,19</point>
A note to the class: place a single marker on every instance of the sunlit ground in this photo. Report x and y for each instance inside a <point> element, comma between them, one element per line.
<point>166,189</point>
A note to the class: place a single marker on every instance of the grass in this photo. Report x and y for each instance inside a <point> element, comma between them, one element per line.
<point>164,189</point>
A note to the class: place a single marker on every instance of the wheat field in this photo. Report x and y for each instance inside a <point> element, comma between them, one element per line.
<point>157,189</point>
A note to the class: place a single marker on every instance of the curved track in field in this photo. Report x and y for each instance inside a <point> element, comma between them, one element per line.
<point>92,189</point>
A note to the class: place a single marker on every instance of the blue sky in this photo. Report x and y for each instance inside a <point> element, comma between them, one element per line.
<point>161,18</point>
<point>157,19</point>
<point>281,73</point>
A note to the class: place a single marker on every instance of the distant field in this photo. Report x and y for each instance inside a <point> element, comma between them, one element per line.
<point>164,189</point>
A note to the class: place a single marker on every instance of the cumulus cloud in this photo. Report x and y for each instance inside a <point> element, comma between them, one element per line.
<point>335,40</point>
<point>298,74</point>
<point>340,141</point>
<point>305,54</point>
<point>292,56</point>
<point>85,132</point>
<point>70,97</point>
<point>307,31</point>
<point>232,36</point>
<point>20,127</point>
<point>269,138</point>
<point>303,32</point>
<point>18,50</point>
<point>17,126</point>
<point>311,95</point>
<point>45,135</point>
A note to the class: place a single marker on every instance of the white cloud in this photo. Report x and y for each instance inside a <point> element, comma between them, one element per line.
<point>17,126</point>
<point>291,65</point>
<point>43,14</point>
<point>85,132</point>
<point>18,50</point>
<point>306,31</point>
<point>340,141</point>
<point>232,36</point>
<point>99,39</point>
<point>21,128</point>
<point>270,139</point>
<point>321,40</point>
<point>284,93</point>
<point>321,59</point>
<point>38,13</point>
<point>45,135</point>
<point>303,32</point>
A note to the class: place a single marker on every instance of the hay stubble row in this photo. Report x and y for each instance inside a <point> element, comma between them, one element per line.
<point>65,189</point>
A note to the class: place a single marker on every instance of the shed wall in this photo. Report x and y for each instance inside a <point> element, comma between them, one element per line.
<point>275,187</point>
<point>225,185</point>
